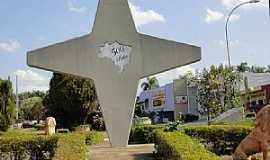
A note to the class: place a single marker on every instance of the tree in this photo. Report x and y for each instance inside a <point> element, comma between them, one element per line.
<point>268,69</point>
<point>258,69</point>
<point>70,100</point>
<point>26,95</point>
<point>243,67</point>
<point>31,109</point>
<point>151,83</point>
<point>218,90</point>
<point>7,105</point>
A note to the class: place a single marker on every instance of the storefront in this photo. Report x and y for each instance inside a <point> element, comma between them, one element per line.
<point>256,100</point>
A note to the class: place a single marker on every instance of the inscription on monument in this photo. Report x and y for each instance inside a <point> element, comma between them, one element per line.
<point>118,53</point>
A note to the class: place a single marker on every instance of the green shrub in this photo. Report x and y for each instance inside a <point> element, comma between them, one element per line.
<point>143,134</point>
<point>178,146</point>
<point>4,123</point>
<point>27,146</point>
<point>70,147</point>
<point>82,128</point>
<point>174,126</point>
<point>246,122</point>
<point>92,138</point>
<point>220,139</point>
<point>17,144</point>
<point>39,127</point>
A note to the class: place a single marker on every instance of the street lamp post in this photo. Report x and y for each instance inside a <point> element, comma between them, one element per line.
<point>227,22</point>
<point>17,99</point>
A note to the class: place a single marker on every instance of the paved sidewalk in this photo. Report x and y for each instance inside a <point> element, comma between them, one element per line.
<point>132,152</point>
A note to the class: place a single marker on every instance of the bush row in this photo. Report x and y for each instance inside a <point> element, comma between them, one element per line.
<point>24,146</point>
<point>93,137</point>
<point>178,146</point>
<point>143,134</point>
<point>27,146</point>
<point>220,139</point>
<point>70,147</point>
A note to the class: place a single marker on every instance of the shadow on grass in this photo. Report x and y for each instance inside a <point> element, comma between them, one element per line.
<point>143,156</point>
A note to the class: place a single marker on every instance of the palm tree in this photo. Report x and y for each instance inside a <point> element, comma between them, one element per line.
<point>152,82</point>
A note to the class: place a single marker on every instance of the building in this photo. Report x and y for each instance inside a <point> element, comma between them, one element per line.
<point>255,91</point>
<point>169,100</point>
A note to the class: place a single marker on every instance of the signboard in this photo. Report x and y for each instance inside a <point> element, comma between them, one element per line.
<point>159,98</point>
<point>181,99</point>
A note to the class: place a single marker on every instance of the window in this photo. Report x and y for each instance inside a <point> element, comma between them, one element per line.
<point>181,100</point>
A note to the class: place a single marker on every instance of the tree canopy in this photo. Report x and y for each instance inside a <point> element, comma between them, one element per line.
<point>70,100</point>
<point>218,89</point>
<point>31,109</point>
<point>151,83</point>
<point>7,105</point>
<point>26,95</point>
<point>244,67</point>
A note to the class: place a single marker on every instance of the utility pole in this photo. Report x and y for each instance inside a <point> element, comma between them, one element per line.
<point>17,99</point>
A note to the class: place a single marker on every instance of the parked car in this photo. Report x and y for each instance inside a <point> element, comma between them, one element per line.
<point>27,124</point>
<point>250,115</point>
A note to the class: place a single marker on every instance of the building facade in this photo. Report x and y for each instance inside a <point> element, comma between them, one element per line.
<point>255,91</point>
<point>179,97</point>
<point>170,100</point>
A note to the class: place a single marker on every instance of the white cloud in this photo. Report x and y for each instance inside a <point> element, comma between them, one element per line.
<point>231,3</point>
<point>29,80</point>
<point>231,43</point>
<point>10,46</point>
<point>169,76</point>
<point>145,17</point>
<point>234,17</point>
<point>73,8</point>
<point>213,16</point>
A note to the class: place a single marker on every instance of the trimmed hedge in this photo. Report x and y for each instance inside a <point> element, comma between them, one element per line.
<point>93,137</point>
<point>178,146</point>
<point>70,147</point>
<point>220,139</point>
<point>143,134</point>
<point>29,145</point>
<point>14,145</point>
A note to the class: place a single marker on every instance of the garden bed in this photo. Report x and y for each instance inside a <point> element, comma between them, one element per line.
<point>218,139</point>
<point>179,146</point>
<point>27,145</point>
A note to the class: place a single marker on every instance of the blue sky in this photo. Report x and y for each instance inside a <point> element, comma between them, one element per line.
<point>26,25</point>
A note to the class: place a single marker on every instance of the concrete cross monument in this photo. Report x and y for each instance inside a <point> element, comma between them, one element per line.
<point>116,57</point>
